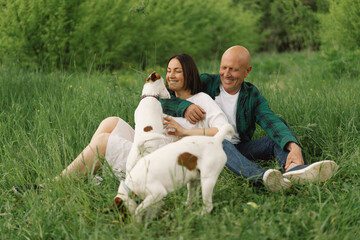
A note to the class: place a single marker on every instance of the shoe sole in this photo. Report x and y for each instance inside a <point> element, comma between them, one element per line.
<point>319,171</point>
<point>274,181</point>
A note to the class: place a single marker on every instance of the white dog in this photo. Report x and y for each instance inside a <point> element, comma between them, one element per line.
<point>148,120</point>
<point>173,166</point>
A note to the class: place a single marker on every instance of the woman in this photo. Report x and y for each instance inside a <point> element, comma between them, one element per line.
<point>114,137</point>
<point>183,80</point>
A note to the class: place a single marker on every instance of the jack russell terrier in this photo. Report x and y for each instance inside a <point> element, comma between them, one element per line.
<point>173,166</point>
<point>148,116</point>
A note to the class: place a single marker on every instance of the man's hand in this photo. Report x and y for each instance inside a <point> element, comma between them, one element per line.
<point>194,113</point>
<point>295,155</point>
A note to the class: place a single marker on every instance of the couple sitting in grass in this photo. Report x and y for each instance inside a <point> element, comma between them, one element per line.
<point>242,106</point>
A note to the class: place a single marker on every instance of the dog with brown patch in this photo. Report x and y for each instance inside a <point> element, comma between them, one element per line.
<point>171,167</point>
<point>148,116</point>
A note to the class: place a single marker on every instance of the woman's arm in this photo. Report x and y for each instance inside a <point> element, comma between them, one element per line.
<point>177,130</point>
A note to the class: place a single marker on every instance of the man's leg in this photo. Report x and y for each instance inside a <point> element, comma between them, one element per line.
<point>241,165</point>
<point>263,148</point>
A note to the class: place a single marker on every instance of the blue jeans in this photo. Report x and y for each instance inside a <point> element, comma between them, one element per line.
<point>239,156</point>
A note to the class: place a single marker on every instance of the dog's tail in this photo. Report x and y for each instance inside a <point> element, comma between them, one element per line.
<point>227,129</point>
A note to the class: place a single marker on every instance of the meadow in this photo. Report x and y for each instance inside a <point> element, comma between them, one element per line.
<point>46,119</point>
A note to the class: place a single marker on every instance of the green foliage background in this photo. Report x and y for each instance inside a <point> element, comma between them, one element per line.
<point>111,34</point>
<point>340,28</point>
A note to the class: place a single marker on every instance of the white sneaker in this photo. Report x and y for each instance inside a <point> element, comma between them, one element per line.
<point>319,171</point>
<point>274,180</point>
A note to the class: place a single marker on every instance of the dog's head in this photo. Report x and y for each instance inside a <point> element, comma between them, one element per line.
<point>155,86</point>
<point>153,77</point>
<point>120,205</point>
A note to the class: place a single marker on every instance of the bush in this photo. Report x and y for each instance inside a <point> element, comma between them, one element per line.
<point>294,25</point>
<point>208,29</point>
<point>340,28</point>
<point>89,34</point>
<point>105,34</point>
<point>287,24</point>
<point>36,33</point>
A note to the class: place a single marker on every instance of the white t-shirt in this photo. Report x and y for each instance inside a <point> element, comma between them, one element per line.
<point>227,103</point>
<point>214,116</point>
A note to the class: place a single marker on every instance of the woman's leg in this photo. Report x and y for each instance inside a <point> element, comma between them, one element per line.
<point>87,159</point>
<point>106,126</point>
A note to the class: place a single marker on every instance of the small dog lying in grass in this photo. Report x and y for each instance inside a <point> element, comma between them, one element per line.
<point>173,166</point>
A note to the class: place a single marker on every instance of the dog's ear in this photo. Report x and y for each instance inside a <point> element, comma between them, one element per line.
<point>118,201</point>
<point>153,77</point>
<point>157,76</point>
<point>118,205</point>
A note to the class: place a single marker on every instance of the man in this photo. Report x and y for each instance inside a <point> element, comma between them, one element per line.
<point>244,106</point>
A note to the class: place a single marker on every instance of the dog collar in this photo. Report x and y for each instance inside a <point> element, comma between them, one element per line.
<point>144,96</point>
<point>131,194</point>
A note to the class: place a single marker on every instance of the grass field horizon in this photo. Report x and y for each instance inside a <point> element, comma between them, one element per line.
<point>46,119</point>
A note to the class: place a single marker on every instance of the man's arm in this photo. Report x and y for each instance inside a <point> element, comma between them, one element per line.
<point>177,107</point>
<point>272,124</point>
<point>279,131</point>
<point>194,113</point>
<point>174,106</point>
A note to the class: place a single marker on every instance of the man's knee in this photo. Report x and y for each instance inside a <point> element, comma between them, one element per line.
<point>271,144</point>
<point>269,140</point>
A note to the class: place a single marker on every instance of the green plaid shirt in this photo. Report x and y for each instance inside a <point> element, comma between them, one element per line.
<point>251,108</point>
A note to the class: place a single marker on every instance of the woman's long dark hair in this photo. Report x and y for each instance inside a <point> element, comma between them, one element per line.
<point>191,73</point>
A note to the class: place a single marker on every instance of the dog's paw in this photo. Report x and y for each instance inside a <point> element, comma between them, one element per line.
<point>206,210</point>
<point>138,218</point>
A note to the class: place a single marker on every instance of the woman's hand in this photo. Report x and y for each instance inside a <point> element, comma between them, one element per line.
<point>174,128</point>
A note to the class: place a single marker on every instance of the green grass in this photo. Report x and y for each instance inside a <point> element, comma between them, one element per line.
<point>46,119</point>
